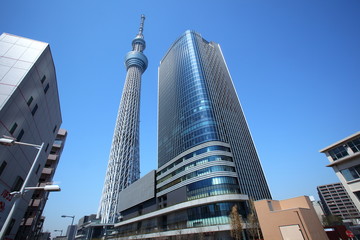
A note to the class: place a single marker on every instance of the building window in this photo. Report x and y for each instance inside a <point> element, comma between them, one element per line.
<point>194,164</point>
<point>47,146</point>
<point>17,184</point>
<point>2,167</point>
<point>46,88</point>
<point>37,170</point>
<point>43,79</point>
<point>357,194</point>
<point>30,101</point>
<point>338,152</point>
<point>54,128</point>
<point>270,205</point>
<point>212,214</point>
<point>351,173</point>
<point>34,109</point>
<point>212,187</point>
<point>355,145</point>
<point>197,173</point>
<point>193,154</point>
<point>13,128</point>
<point>21,134</point>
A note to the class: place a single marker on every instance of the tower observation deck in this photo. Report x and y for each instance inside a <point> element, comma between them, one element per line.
<point>124,163</point>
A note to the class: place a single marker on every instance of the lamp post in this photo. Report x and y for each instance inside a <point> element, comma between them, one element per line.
<point>72,229</point>
<point>24,188</point>
<point>65,216</point>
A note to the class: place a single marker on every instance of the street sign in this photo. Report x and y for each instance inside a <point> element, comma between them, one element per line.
<point>349,233</point>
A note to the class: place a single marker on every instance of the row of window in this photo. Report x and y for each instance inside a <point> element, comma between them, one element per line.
<point>18,181</point>
<point>213,214</point>
<point>198,125</point>
<point>196,119</point>
<point>20,134</point>
<point>196,174</point>
<point>338,152</point>
<point>205,215</point>
<point>207,137</point>
<point>193,154</point>
<point>341,151</point>
<point>214,190</point>
<point>189,101</point>
<point>351,173</point>
<point>196,163</point>
<point>33,112</point>
<point>210,182</point>
<point>354,145</point>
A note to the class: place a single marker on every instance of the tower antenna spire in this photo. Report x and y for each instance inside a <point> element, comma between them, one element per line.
<point>141,29</point>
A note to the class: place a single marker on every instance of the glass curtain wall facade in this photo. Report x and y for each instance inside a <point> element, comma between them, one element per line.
<point>198,104</point>
<point>206,156</point>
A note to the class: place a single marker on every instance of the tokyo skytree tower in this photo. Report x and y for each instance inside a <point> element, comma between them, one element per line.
<point>124,163</point>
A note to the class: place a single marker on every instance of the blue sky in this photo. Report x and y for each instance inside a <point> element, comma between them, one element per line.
<point>295,65</point>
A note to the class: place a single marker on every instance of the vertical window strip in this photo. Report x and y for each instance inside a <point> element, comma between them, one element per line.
<point>21,134</point>
<point>2,167</point>
<point>13,128</point>
<point>34,110</point>
<point>30,100</point>
<point>46,88</point>
<point>17,184</point>
<point>43,79</point>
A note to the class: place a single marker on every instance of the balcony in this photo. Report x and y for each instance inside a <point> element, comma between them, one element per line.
<point>43,184</point>
<point>57,143</point>
<point>35,203</point>
<point>29,221</point>
<point>47,171</point>
<point>53,157</point>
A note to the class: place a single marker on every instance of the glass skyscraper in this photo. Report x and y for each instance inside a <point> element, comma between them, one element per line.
<point>207,159</point>
<point>198,105</point>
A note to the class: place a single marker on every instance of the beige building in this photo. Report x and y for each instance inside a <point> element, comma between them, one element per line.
<point>344,157</point>
<point>293,219</point>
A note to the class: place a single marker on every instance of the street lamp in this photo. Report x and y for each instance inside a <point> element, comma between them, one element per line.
<point>65,216</point>
<point>71,230</point>
<point>24,188</point>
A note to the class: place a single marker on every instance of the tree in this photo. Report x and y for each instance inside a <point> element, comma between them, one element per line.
<point>236,223</point>
<point>253,222</point>
<point>331,220</point>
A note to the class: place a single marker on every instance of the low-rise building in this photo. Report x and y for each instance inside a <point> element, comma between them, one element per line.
<point>293,218</point>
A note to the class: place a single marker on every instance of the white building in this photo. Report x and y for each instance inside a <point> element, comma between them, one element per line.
<point>29,112</point>
<point>344,157</point>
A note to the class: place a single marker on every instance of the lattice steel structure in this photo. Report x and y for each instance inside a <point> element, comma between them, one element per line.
<point>124,164</point>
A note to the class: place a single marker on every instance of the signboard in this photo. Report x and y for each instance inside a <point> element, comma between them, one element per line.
<point>5,203</point>
<point>349,234</point>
